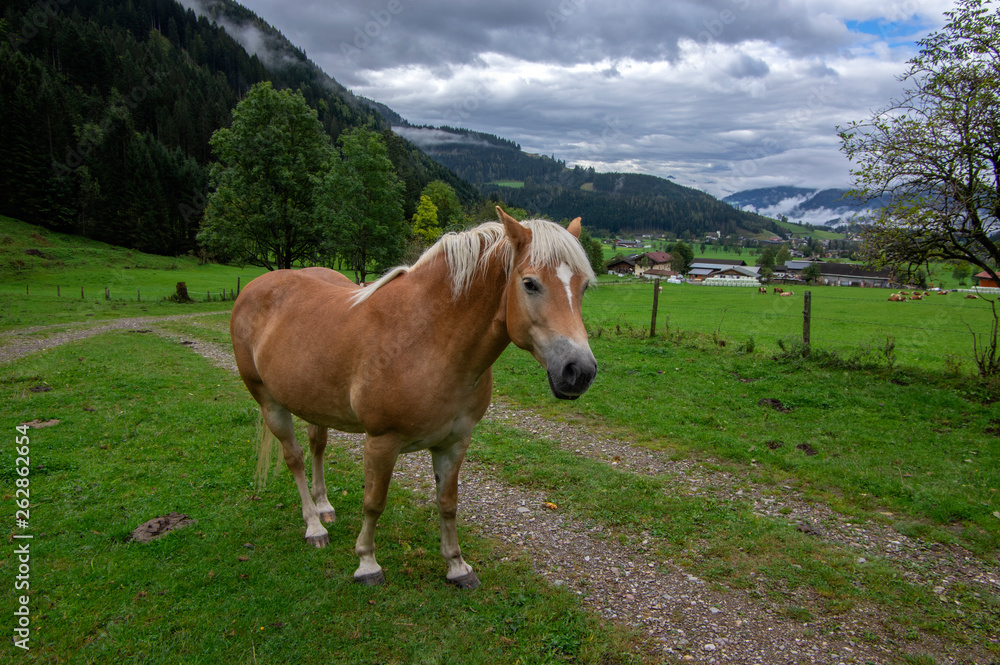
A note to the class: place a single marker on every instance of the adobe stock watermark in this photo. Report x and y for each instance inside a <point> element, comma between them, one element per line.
<point>37,17</point>
<point>897,14</point>
<point>463,109</point>
<point>365,34</point>
<point>563,12</point>
<point>22,552</point>
<point>819,96</point>
<point>716,25</point>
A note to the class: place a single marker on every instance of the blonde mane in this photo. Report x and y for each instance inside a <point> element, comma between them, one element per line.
<point>469,252</point>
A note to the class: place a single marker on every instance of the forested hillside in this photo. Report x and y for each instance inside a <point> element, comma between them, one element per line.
<point>613,202</point>
<point>108,108</point>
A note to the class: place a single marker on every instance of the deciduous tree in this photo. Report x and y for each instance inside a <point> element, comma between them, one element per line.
<point>362,202</point>
<point>264,208</point>
<point>935,153</point>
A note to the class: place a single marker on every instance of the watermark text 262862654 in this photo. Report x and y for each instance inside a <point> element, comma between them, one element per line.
<point>22,553</point>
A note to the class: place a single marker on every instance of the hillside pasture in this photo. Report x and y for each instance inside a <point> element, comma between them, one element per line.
<point>933,333</point>
<point>905,439</point>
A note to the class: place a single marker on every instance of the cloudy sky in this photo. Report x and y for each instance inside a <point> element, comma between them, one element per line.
<point>723,95</point>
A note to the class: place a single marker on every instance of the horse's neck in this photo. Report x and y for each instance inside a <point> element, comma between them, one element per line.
<point>474,321</point>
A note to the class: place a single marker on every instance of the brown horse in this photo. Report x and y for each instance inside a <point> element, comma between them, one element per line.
<point>408,360</point>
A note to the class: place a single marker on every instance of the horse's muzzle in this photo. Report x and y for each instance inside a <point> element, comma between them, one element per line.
<point>571,369</point>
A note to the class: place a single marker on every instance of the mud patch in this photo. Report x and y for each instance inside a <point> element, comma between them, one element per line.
<point>40,389</point>
<point>38,424</point>
<point>774,445</point>
<point>774,404</point>
<point>807,449</point>
<point>159,526</point>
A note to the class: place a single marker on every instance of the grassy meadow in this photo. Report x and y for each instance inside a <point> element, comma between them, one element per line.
<point>902,435</point>
<point>44,286</point>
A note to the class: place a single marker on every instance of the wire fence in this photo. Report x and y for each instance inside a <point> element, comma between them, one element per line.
<point>935,332</point>
<point>204,292</point>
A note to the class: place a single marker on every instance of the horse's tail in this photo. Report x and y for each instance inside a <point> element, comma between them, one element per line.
<point>268,444</point>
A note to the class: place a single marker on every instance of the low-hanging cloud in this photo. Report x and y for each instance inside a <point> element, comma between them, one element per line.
<point>722,94</point>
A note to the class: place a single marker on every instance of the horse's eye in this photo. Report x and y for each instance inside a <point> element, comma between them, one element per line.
<point>530,285</point>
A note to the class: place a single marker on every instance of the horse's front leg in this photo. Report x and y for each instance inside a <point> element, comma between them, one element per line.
<point>380,457</point>
<point>447,462</point>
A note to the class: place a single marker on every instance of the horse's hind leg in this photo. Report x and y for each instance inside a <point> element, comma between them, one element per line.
<point>279,421</point>
<point>317,444</point>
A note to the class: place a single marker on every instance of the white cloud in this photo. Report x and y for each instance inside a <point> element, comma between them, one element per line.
<point>722,94</point>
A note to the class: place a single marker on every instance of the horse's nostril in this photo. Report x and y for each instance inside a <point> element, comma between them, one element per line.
<point>571,373</point>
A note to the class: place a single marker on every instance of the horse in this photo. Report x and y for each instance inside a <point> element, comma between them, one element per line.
<point>408,360</point>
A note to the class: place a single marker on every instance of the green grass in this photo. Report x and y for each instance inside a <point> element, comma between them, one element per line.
<point>147,427</point>
<point>513,184</point>
<point>854,322</point>
<point>918,444</point>
<point>46,289</point>
<point>914,450</point>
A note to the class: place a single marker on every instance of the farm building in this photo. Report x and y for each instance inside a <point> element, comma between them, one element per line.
<point>843,274</point>
<point>791,268</point>
<point>985,280</point>
<point>622,267</point>
<point>702,268</point>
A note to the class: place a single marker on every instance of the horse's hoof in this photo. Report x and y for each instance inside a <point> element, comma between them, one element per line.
<point>319,541</point>
<point>371,579</point>
<point>467,581</point>
<point>328,517</point>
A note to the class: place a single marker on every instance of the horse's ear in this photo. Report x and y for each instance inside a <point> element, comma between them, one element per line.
<point>516,233</point>
<point>575,227</point>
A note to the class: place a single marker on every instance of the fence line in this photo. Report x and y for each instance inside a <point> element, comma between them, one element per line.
<point>910,342</point>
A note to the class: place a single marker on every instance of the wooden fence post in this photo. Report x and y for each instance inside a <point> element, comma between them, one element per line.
<point>656,302</point>
<point>806,317</point>
<point>58,292</point>
<point>237,286</point>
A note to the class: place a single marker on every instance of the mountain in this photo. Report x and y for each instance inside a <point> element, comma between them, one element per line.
<point>108,108</point>
<point>819,207</point>
<point>609,202</point>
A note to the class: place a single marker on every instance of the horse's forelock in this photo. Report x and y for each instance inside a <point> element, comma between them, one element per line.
<point>468,252</point>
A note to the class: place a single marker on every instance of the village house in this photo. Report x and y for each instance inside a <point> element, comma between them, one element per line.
<point>984,280</point>
<point>658,260</point>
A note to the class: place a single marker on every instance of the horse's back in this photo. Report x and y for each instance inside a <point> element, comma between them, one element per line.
<point>282,323</point>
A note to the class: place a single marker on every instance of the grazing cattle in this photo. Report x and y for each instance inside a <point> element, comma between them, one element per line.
<point>787,293</point>
<point>972,296</point>
<point>942,292</point>
<point>916,297</point>
<point>778,289</point>
<point>896,297</point>
<point>905,293</point>
<point>408,360</point>
<point>762,289</point>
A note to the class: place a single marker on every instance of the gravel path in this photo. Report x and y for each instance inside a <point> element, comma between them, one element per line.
<point>686,619</point>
